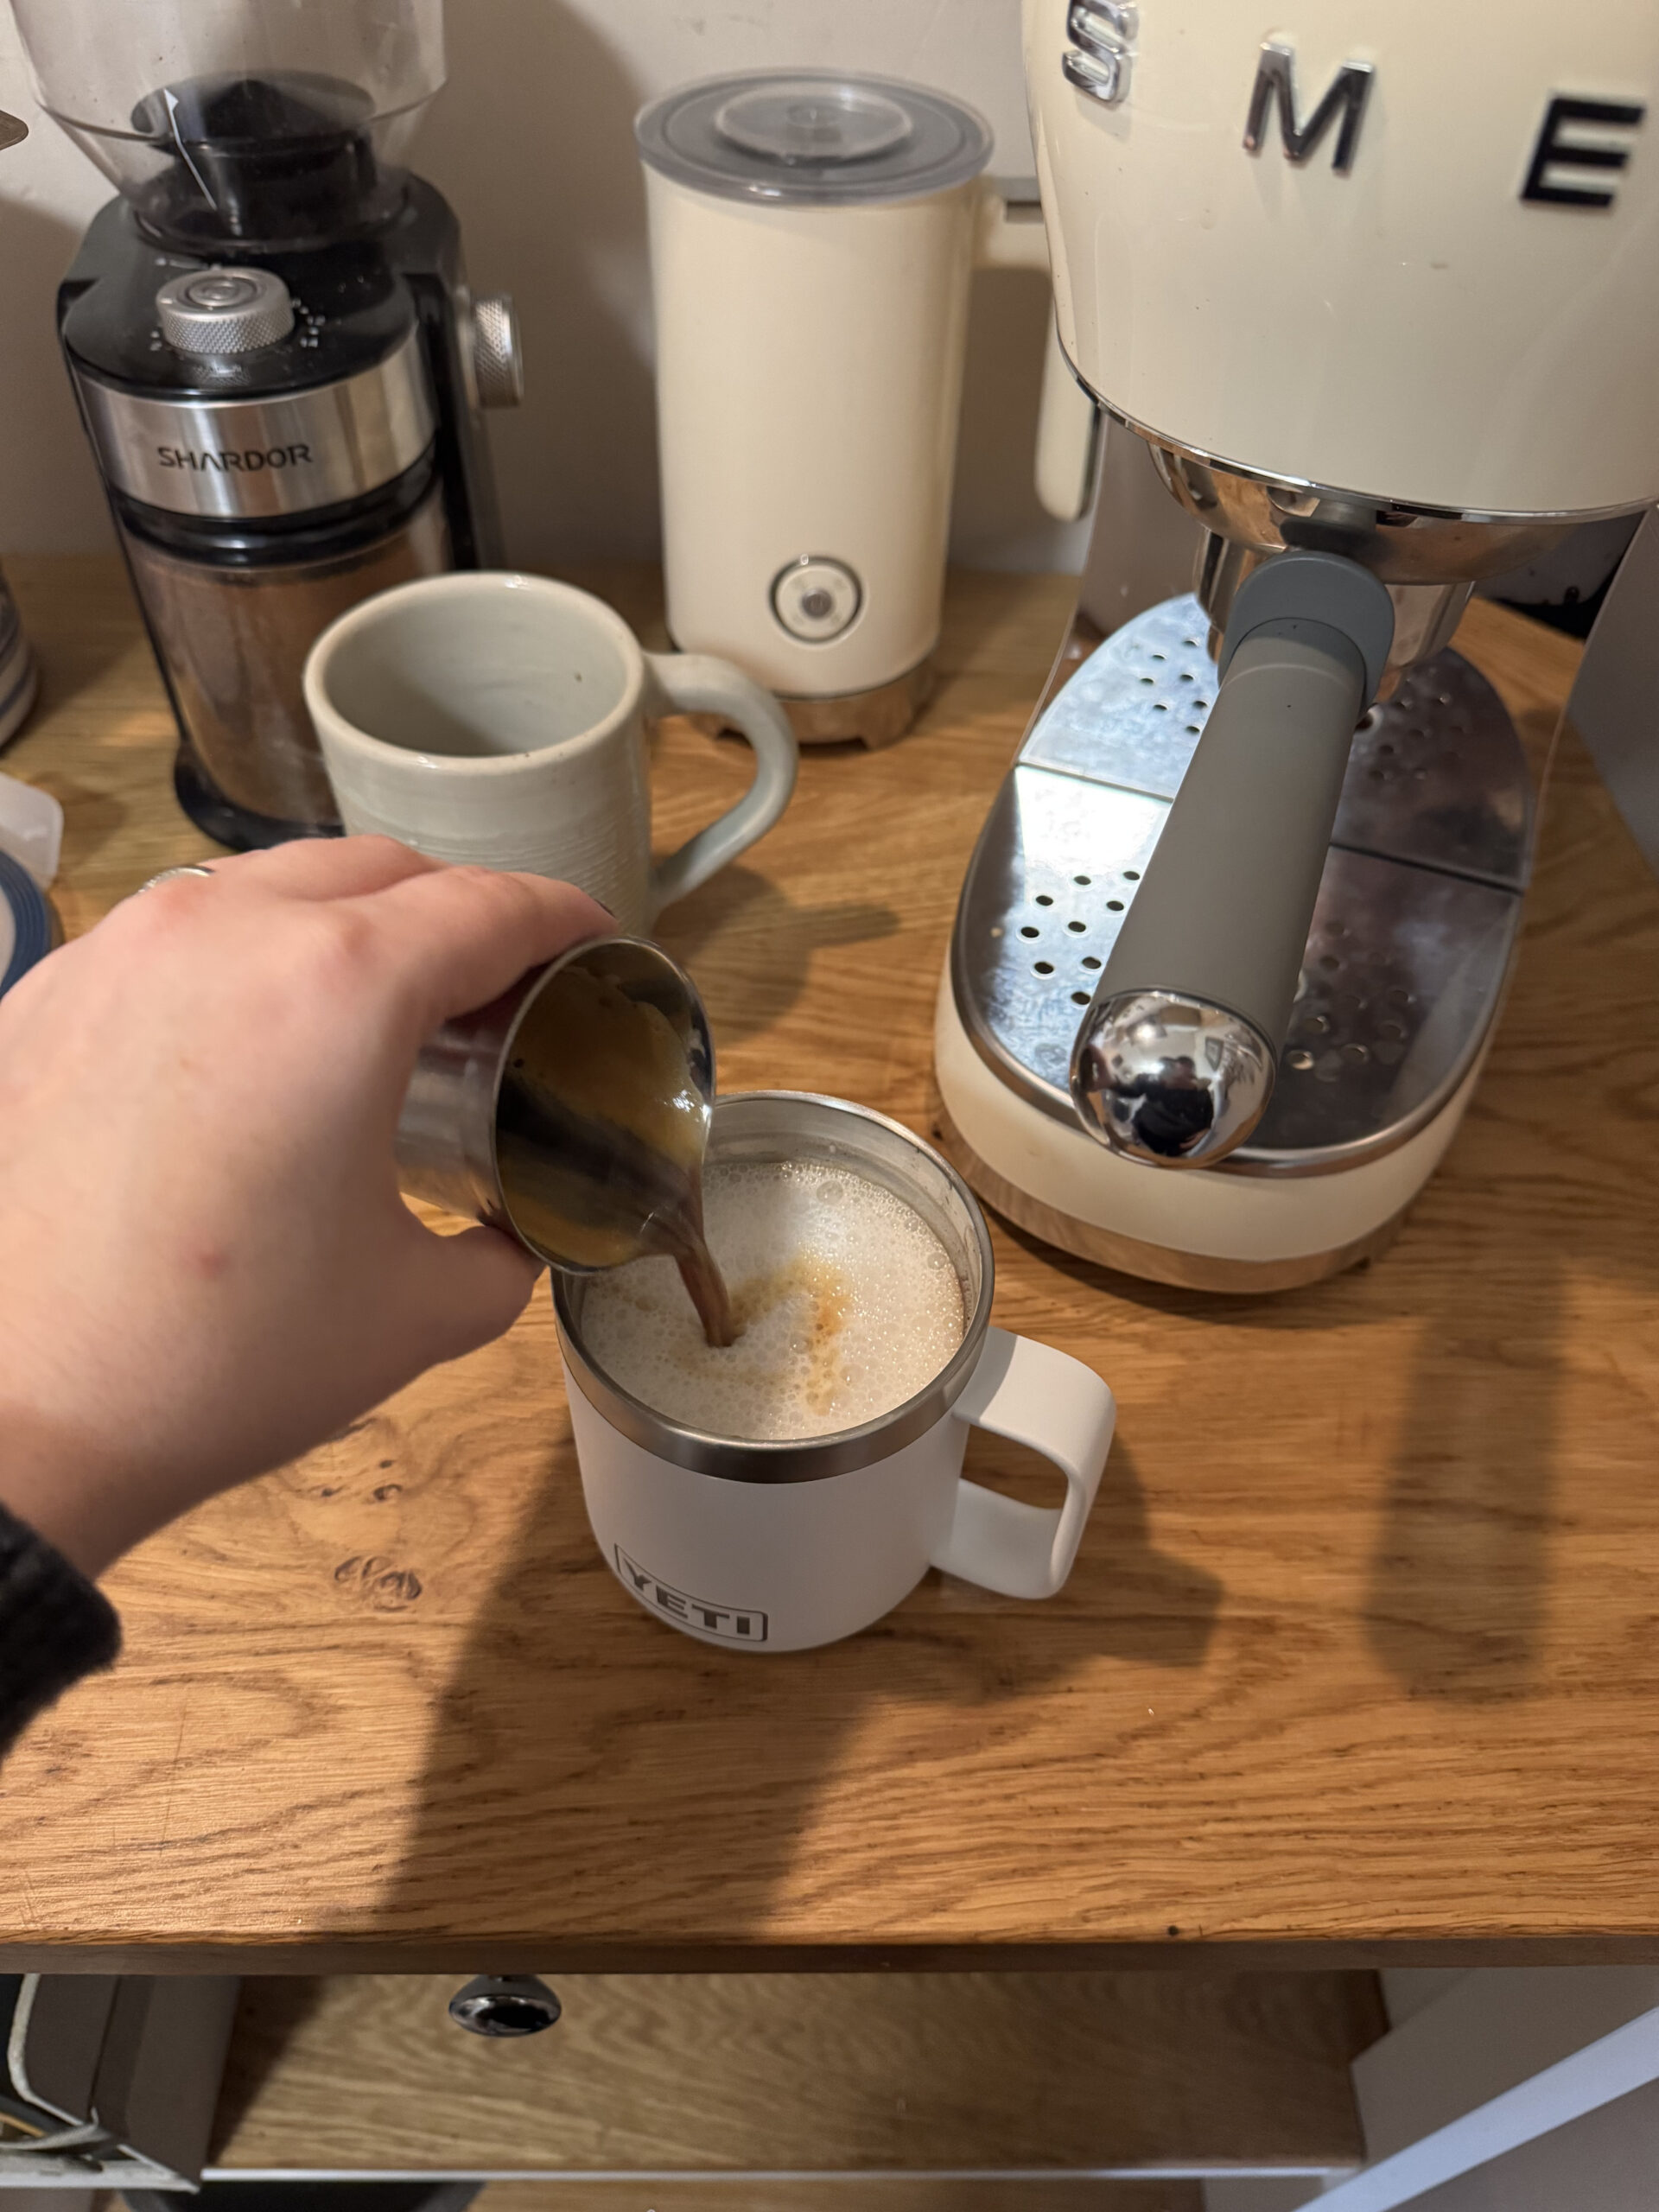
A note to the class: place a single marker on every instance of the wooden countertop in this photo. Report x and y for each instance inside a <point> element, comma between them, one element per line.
<point>1359,1661</point>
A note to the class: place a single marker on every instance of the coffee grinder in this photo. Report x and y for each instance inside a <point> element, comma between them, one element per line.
<point>274,352</point>
<point>1376,298</point>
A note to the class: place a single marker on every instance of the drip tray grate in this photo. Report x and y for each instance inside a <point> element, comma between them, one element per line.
<point>1417,910</point>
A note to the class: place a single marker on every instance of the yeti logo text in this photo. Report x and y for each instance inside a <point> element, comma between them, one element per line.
<point>1346,95</point>
<point>732,1624</point>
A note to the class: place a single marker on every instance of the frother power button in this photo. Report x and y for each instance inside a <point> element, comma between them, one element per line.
<point>815,598</point>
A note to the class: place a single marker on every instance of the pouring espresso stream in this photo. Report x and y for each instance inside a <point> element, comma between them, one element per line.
<point>573,1112</point>
<point>600,1140</point>
<point>602,1137</point>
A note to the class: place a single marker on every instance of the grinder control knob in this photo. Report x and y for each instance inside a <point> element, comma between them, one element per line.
<point>497,358</point>
<point>224,310</point>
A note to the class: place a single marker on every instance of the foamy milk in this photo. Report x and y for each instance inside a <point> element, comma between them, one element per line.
<point>848,1305</point>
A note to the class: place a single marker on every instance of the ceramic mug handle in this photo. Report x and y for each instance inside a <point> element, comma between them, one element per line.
<point>1032,1394</point>
<point>697,683</point>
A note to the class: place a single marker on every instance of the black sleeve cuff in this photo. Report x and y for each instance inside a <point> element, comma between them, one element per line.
<point>54,1626</point>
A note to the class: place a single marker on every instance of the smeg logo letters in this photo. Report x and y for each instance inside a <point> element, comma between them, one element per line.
<point>1580,145</point>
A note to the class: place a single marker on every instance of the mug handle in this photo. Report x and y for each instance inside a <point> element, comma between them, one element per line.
<point>698,683</point>
<point>1032,1394</point>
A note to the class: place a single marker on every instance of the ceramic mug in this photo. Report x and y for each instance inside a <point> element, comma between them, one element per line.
<point>776,1546</point>
<point>500,719</point>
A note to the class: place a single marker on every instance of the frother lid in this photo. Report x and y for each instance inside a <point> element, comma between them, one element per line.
<point>812,137</point>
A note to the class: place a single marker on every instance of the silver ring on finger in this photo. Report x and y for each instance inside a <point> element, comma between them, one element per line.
<point>186,868</point>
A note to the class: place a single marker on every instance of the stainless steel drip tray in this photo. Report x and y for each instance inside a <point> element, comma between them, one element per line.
<point>1436,776</point>
<point>1406,959</point>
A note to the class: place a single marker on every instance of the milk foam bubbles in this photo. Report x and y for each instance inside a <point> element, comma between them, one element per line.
<point>849,1303</point>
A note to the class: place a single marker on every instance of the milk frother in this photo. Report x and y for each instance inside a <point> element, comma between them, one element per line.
<point>813,239</point>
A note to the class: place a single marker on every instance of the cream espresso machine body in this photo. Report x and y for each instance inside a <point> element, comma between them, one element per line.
<point>1375,292</point>
<point>813,239</point>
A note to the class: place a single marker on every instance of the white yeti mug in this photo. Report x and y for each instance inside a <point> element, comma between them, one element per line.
<point>775,1547</point>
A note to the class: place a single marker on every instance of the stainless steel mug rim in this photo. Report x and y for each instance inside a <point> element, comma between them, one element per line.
<point>804,1458</point>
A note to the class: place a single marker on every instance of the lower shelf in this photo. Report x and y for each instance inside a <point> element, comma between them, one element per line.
<point>896,2076</point>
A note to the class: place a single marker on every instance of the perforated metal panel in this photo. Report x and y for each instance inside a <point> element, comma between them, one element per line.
<point>1417,910</point>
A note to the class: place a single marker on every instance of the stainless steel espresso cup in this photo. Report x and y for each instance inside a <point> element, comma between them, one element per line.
<point>490,1127</point>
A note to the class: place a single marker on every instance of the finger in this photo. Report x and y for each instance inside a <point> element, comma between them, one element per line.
<point>328,868</point>
<point>477,1284</point>
<point>458,938</point>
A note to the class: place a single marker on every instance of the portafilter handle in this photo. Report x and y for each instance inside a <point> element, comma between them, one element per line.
<point>1175,1060</point>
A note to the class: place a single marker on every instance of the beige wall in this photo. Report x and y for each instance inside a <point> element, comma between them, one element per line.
<point>532,140</point>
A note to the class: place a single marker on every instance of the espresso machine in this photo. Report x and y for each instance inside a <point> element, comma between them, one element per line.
<point>276,355</point>
<point>1375,297</point>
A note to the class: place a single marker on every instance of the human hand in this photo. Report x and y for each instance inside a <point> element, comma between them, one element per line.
<point>208,1267</point>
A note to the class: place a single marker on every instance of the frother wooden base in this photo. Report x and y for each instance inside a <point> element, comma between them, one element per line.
<point>879,717</point>
<point>876,718</point>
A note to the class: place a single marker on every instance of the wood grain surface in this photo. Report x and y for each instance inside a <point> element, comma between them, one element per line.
<point>1359,1662</point>
<point>696,2074</point>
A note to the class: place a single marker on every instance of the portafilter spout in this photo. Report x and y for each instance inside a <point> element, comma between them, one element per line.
<point>1174,1061</point>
